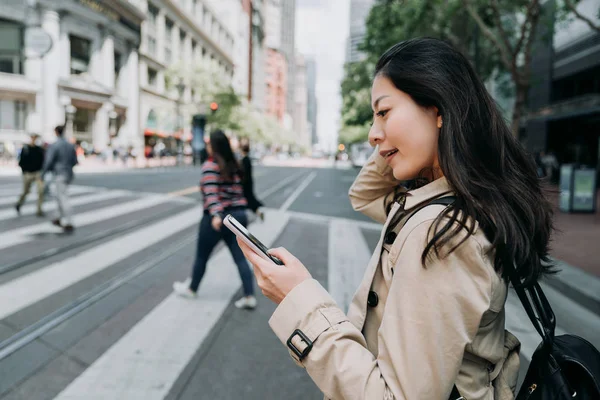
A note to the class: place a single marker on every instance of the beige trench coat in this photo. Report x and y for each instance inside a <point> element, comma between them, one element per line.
<point>411,332</point>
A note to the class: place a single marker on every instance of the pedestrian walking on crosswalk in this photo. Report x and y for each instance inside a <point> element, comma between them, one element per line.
<point>31,162</point>
<point>248,182</point>
<point>223,194</point>
<point>60,160</point>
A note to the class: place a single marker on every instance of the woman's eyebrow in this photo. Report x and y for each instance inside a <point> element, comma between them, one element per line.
<point>378,100</point>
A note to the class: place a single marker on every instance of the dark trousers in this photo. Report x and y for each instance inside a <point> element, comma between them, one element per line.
<point>208,238</point>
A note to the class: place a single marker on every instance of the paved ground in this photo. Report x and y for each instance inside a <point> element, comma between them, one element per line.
<point>91,315</point>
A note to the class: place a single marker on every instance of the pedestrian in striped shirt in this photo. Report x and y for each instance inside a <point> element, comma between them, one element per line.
<point>221,186</point>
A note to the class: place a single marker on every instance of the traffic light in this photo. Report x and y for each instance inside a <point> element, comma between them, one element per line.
<point>214,106</point>
<point>341,147</point>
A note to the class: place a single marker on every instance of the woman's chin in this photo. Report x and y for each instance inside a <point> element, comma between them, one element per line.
<point>401,175</point>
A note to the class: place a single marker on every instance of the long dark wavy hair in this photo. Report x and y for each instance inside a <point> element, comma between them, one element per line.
<point>223,155</point>
<point>493,177</point>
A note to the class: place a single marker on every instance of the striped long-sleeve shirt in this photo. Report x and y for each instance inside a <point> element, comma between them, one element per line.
<point>220,195</point>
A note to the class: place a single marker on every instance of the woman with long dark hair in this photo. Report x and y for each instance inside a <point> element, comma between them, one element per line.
<point>223,194</point>
<point>428,317</point>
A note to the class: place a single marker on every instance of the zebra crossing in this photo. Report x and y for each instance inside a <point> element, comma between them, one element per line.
<point>51,308</point>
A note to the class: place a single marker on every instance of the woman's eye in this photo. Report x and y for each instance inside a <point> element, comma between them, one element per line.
<point>382,113</point>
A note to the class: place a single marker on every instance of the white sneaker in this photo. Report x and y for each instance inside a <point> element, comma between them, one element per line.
<point>248,303</point>
<point>183,289</point>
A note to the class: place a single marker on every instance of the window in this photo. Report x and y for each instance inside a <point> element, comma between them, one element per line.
<point>168,40</point>
<point>11,45</point>
<point>194,49</point>
<point>81,121</point>
<point>152,77</point>
<point>151,45</point>
<point>80,54</point>
<point>151,29</point>
<point>152,16</point>
<point>117,68</point>
<point>181,44</point>
<point>13,114</point>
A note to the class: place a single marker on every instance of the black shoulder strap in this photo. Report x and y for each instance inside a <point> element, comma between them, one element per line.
<point>443,201</point>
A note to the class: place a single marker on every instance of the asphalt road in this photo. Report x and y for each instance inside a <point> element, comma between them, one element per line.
<point>66,300</point>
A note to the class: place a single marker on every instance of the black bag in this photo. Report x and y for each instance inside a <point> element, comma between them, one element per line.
<point>562,367</point>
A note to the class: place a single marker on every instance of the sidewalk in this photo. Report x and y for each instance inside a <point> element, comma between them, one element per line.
<point>575,247</point>
<point>94,165</point>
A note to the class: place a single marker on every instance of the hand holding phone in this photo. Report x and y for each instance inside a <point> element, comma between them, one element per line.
<point>256,245</point>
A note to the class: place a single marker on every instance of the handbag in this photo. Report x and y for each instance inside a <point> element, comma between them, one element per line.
<point>562,367</point>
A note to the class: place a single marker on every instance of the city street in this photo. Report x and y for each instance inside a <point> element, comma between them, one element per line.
<point>91,314</point>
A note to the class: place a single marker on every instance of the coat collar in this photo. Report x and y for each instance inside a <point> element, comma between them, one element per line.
<point>432,190</point>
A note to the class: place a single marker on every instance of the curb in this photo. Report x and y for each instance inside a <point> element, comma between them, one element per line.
<point>578,285</point>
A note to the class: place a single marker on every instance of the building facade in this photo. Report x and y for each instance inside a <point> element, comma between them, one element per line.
<point>311,87</point>
<point>301,124</point>
<point>288,43</point>
<point>564,100</point>
<point>177,34</point>
<point>276,85</point>
<point>235,14</point>
<point>258,55</point>
<point>88,80</point>
<point>359,9</point>
<point>273,20</point>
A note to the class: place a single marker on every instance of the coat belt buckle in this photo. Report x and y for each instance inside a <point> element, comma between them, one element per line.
<point>305,339</point>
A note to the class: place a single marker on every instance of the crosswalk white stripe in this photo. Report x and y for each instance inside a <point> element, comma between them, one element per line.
<point>32,197</point>
<point>77,201</point>
<point>31,288</point>
<point>9,190</point>
<point>348,257</point>
<point>22,235</point>
<point>146,362</point>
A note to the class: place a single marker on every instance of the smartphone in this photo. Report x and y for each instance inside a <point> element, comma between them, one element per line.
<point>252,242</point>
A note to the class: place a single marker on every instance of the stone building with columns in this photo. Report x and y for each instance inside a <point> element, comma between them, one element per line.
<point>89,79</point>
<point>177,33</point>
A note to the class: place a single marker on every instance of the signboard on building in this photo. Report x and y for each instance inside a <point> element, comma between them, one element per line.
<point>37,42</point>
<point>584,190</point>
<point>566,187</point>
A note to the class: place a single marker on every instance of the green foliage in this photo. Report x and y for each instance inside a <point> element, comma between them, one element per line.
<point>223,118</point>
<point>390,22</point>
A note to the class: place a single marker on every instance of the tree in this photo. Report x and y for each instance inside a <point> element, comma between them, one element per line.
<point>571,6</point>
<point>209,86</point>
<point>388,23</point>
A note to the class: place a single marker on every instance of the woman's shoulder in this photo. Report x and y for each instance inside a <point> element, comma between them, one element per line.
<point>210,166</point>
<point>464,241</point>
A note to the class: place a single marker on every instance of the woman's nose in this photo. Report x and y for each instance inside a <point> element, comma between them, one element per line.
<point>376,135</point>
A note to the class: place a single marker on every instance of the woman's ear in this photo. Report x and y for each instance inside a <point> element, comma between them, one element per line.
<point>439,121</point>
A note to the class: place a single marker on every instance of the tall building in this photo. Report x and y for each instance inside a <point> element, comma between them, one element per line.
<point>359,10</point>
<point>235,14</point>
<point>273,18</point>
<point>564,100</point>
<point>277,65</point>
<point>184,34</point>
<point>88,79</point>
<point>288,43</point>
<point>311,85</point>
<point>276,85</point>
<point>300,115</point>
<point>259,54</point>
